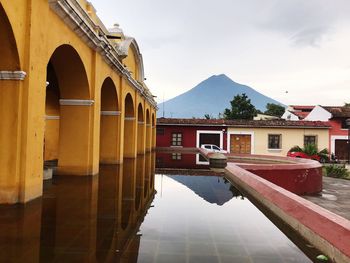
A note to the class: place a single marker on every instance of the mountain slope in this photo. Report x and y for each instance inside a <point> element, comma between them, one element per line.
<point>211,96</point>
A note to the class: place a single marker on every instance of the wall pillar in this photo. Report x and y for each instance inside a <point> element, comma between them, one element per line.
<point>109,137</point>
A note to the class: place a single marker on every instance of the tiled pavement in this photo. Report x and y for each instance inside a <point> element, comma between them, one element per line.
<point>335,196</point>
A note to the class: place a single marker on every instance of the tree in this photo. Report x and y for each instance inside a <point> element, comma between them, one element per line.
<point>346,104</point>
<point>241,108</point>
<point>274,110</point>
<point>208,116</point>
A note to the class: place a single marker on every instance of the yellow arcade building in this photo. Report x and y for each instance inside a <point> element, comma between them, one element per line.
<point>71,91</point>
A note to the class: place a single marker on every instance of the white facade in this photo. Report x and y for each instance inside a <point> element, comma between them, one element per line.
<point>318,114</point>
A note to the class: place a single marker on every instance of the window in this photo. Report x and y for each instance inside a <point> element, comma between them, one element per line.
<point>160,131</point>
<point>310,139</point>
<point>274,141</point>
<point>176,139</point>
<point>176,156</point>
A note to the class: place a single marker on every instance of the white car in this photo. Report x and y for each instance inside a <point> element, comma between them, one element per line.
<point>213,148</point>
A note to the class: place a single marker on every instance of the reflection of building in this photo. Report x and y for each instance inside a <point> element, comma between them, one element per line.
<point>213,189</point>
<point>82,219</point>
<point>336,117</point>
<point>71,92</point>
<point>270,137</point>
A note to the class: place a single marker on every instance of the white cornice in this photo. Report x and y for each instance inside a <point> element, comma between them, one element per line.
<point>74,102</point>
<point>12,75</point>
<point>110,113</point>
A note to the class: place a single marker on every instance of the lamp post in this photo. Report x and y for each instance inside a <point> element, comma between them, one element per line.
<point>347,121</point>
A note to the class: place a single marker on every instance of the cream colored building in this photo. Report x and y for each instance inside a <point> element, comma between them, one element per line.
<point>274,137</point>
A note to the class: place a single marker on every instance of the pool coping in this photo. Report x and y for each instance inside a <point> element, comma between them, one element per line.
<point>325,230</point>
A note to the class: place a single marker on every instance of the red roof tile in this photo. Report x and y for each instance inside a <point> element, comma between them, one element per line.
<point>243,123</point>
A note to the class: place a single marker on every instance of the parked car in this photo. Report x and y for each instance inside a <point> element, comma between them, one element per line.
<point>304,155</point>
<point>213,148</point>
<point>310,151</point>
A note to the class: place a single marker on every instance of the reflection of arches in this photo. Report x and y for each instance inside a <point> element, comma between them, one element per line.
<point>68,99</point>
<point>147,174</point>
<point>148,132</point>
<point>128,187</point>
<point>109,126</point>
<point>108,185</point>
<point>129,128</point>
<point>140,130</point>
<point>9,112</point>
<point>153,130</point>
<point>140,174</point>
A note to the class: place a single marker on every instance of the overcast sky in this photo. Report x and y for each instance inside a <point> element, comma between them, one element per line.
<point>274,46</point>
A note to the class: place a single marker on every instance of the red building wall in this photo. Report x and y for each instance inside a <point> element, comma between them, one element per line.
<point>189,134</point>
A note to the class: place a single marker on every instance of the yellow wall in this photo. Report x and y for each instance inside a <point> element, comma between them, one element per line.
<point>38,32</point>
<point>131,64</point>
<point>289,137</point>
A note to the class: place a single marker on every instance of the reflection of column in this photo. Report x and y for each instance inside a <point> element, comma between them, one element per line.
<point>107,211</point>
<point>10,115</point>
<point>153,170</point>
<point>20,232</point>
<point>148,173</point>
<point>140,175</point>
<point>69,220</point>
<point>128,192</point>
<point>75,136</point>
<point>109,137</point>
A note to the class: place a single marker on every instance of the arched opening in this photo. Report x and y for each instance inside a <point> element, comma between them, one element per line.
<point>129,128</point>
<point>128,194</point>
<point>109,126</point>
<point>140,174</point>
<point>140,130</point>
<point>68,109</point>
<point>148,132</point>
<point>9,113</point>
<point>153,131</point>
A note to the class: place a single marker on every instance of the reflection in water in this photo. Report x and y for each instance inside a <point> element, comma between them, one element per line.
<point>78,219</point>
<point>213,189</point>
<point>103,219</point>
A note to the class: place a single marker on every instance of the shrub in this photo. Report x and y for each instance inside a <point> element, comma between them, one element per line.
<point>337,171</point>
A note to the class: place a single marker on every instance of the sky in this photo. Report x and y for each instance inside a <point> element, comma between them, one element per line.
<point>295,51</point>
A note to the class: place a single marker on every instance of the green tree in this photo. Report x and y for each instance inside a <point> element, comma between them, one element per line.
<point>274,109</point>
<point>346,104</point>
<point>241,108</point>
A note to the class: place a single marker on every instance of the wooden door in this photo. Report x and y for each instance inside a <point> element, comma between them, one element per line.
<point>240,144</point>
<point>342,149</point>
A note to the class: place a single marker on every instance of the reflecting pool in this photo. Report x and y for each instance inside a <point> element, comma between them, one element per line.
<point>130,214</point>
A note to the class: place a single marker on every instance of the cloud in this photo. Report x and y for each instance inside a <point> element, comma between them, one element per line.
<point>304,23</point>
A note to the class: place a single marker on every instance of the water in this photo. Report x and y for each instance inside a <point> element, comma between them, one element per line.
<point>205,219</point>
<point>128,214</point>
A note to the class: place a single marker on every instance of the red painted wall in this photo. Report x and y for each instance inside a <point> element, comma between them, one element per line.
<point>188,161</point>
<point>336,130</point>
<point>189,134</point>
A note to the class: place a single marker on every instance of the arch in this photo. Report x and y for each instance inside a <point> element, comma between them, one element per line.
<point>8,49</point>
<point>9,113</point>
<point>148,132</point>
<point>132,58</point>
<point>110,123</point>
<point>129,127</point>
<point>140,130</point>
<point>68,109</point>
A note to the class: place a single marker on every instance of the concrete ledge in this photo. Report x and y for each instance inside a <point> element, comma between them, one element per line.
<point>325,230</point>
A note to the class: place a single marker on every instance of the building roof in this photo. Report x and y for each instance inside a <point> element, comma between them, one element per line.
<point>244,123</point>
<point>338,111</point>
<point>302,107</point>
<point>301,114</point>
